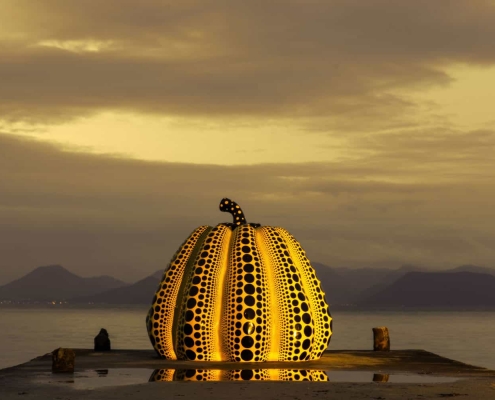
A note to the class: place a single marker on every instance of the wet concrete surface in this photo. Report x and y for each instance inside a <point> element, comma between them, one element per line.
<point>136,374</point>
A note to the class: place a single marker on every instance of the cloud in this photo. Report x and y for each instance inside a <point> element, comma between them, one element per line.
<point>336,60</point>
<point>101,214</point>
<point>407,186</point>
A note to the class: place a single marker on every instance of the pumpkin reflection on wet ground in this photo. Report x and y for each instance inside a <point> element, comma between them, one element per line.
<point>92,379</point>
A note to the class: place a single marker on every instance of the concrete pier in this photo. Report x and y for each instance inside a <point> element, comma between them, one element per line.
<point>124,374</point>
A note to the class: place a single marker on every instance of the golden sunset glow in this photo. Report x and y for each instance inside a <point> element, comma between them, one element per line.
<point>366,128</point>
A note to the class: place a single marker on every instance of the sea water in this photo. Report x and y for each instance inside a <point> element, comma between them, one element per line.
<point>30,331</point>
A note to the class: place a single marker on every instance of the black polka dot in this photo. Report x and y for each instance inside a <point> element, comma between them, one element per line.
<point>247,258</point>
<point>247,355</point>
<point>193,291</point>
<point>248,268</point>
<point>249,300</point>
<point>247,341</point>
<point>191,302</point>
<point>189,315</point>
<point>248,328</point>
<point>249,289</point>
<point>188,329</point>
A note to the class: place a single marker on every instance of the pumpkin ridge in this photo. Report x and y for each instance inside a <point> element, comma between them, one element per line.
<point>296,321</point>
<point>315,294</point>
<point>220,350</point>
<point>247,309</point>
<point>188,271</point>
<point>273,287</point>
<point>162,309</point>
<point>198,339</point>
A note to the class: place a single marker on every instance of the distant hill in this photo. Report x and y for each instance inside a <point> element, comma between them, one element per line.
<point>141,292</point>
<point>436,289</point>
<point>345,286</point>
<point>54,282</point>
<point>386,280</point>
<point>336,287</point>
<point>473,268</point>
<point>361,279</point>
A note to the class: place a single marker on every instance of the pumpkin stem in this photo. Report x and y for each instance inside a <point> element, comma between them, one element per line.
<point>227,205</point>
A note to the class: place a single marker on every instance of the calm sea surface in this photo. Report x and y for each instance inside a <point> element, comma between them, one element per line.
<point>27,332</point>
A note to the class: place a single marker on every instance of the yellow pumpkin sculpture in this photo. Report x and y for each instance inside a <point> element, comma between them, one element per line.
<point>239,292</point>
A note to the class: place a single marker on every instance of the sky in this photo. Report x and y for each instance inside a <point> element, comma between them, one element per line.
<point>365,128</point>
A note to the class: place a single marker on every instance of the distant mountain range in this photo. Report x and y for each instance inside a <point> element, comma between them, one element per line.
<point>442,289</point>
<point>345,286</point>
<point>141,292</point>
<point>54,282</point>
<point>466,286</point>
